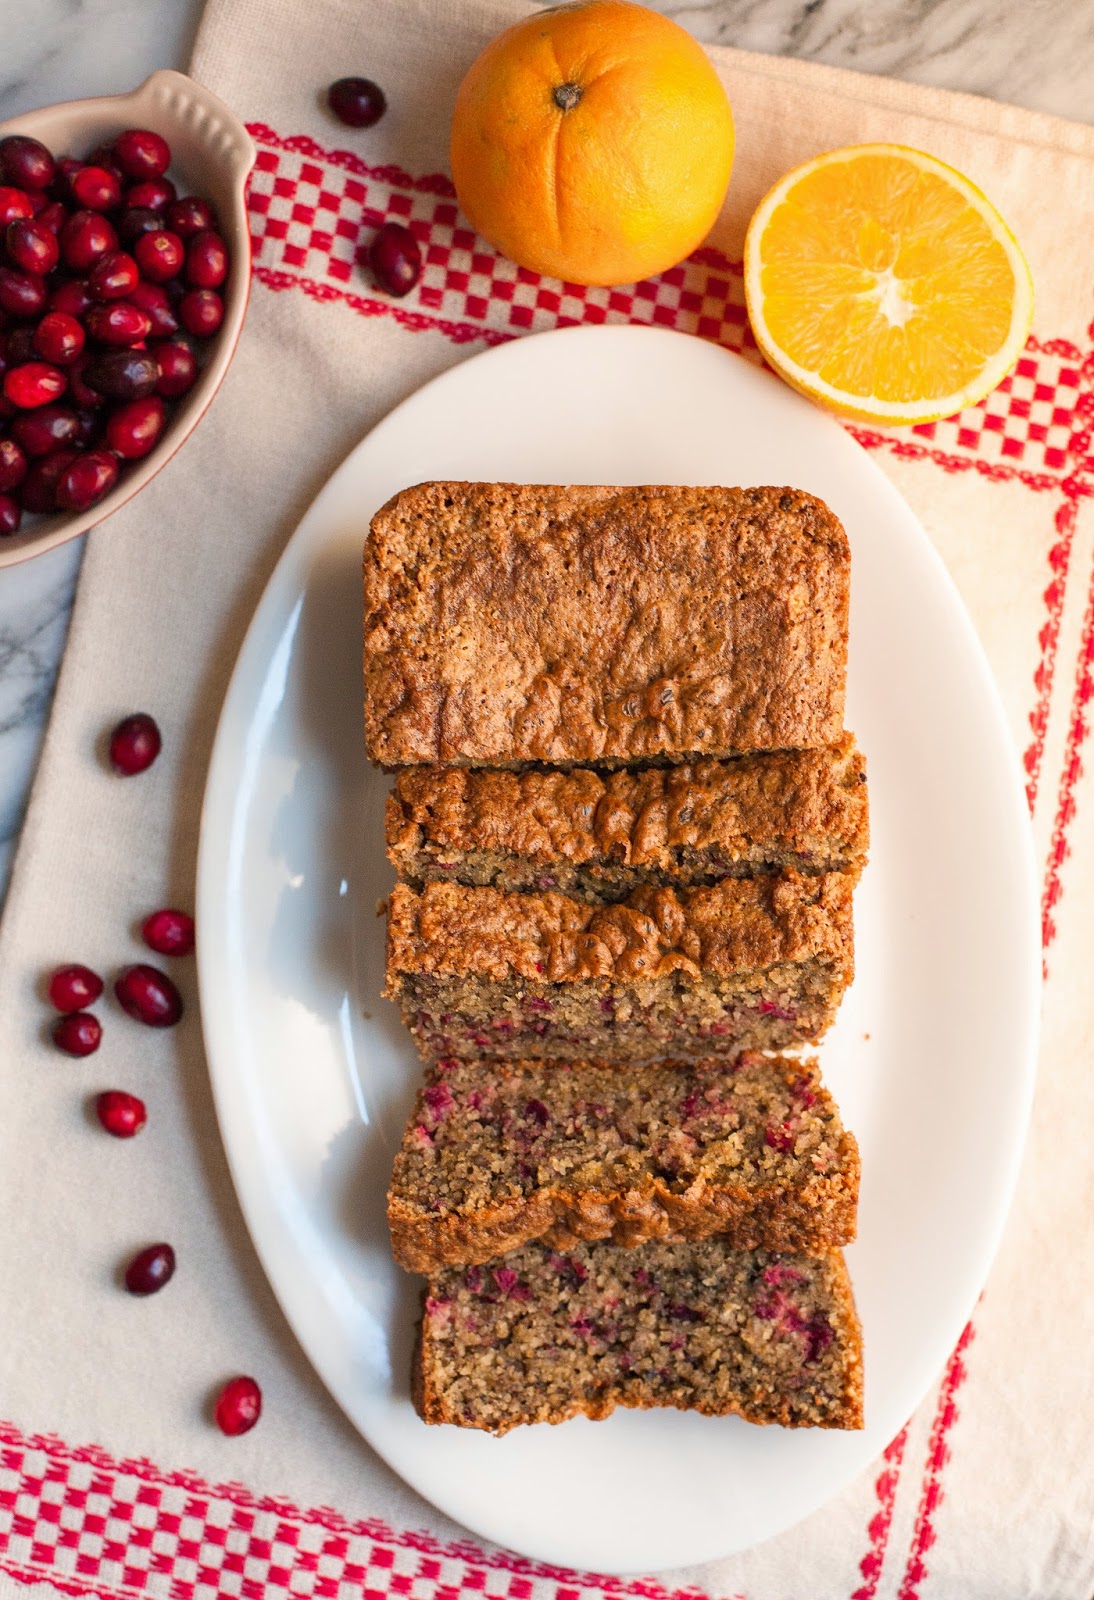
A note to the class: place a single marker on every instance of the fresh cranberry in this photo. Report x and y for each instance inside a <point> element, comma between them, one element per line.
<point>85,237</point>
<point>122,374</point>
<point>113,276</point>
<point>47,429</point>
<point>39,491</point>
<point>178,368</point>
<point>201,312</point>
<point>20,345</point>
<point>148,994</point>
<point>206,261</point>
<point>79,392</point>
<point>71,297</point>
<point>31,246</point>
<point>156,194</point>
<point>135,427</point>
<point>140,153</point>
<point>190,216</point>
<point>134,744</point>
<point>136,221</point>
<point>13,465</point>
<point>169,933</point>
<point>77,1033</point>
<point>11,514</point>
<point>73,987</point>
<point>26,163</point>
<point>150,1270</point>
<point>91,427</point>
<point>97,188</point>
<point>102,156</point>
<point>59,338</point>
<point>358,102</point>
<point>52,216</point>
<point>238,1406</point>
<point>67,168</point>
<point>395,259</point>
<point>160,256</point>
<point>86,480</point>
<point>121,1114</point>
<point>34,384</point>
<point>152,298</point>
<point>21,293</point>
<point>13,203</point>
<point>118,322</point>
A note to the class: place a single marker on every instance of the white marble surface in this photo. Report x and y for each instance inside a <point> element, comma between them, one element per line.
<point>1036,53</point>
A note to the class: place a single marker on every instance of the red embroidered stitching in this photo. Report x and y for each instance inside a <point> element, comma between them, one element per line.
<point>73,1586</point>
<point>885,1487</point>
<point>938,1454</point>
<point>172,1535</point>
<point>1059,560</point>
<point>995,471</point>
<point>1078,730</point>
<point>415,321</point>
<point>433,183</point>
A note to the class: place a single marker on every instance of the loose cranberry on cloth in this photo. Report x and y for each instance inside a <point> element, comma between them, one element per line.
<point>134,744</point>
<point>171,933</point>
<point>239,1406</point>
<point>73,988</point>
<point>121,1114</point>
<point>988,1494</point>
<point>149,996</point>
<point>77,1033</point>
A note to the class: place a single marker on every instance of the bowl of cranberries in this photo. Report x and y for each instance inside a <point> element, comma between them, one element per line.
<point>124,275</point>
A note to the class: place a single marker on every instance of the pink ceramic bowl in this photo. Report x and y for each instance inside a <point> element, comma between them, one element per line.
<point>212,154</point>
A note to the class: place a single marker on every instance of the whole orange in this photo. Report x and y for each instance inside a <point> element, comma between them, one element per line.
<point>593,142</point>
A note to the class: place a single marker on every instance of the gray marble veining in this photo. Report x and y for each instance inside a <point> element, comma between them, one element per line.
<point>1037,53</point>
<point>66,49</point>
<point>35,600</point>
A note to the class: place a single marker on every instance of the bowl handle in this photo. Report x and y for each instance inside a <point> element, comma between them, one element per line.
<point>175,97</point>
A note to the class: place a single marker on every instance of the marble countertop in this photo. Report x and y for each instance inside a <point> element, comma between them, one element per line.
<point>1034,53</point>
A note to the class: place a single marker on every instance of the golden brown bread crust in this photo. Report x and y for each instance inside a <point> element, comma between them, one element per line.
<point>740,925</point>
<point>506,624</point>
<point>808,802</point>
<point>822,1214</point>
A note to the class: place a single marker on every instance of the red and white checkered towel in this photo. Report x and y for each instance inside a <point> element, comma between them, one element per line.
<point>112,1481</point>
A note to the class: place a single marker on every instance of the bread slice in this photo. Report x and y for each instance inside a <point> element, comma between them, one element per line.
<point>508,624</point>
<point>543,1335</point>
<point>751,963</point>
<point>599,835</point>
<point>498,1154</point>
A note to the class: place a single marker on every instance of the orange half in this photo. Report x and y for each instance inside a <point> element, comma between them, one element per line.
<point>883,284</point>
